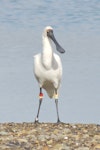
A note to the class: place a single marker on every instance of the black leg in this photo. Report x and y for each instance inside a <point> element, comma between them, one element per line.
<point>56,101</point>
<point>40,101</point>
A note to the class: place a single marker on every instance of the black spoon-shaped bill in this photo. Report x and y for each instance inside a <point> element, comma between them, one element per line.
<point>58,47</point>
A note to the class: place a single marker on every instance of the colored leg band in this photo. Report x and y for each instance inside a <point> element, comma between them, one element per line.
<point>55,96</point>
<point>41,95</point>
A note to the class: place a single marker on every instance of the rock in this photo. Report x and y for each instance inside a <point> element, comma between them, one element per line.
<point>65,138</point>
<point>97,147</point>
<point>61,147</point>
<point>97,137</point>
<point>83,148</point>
<point>50,142</point>
<point>45,148</point>
<point>53,136</point>
<point>2,133</point>
<point>66,131</point>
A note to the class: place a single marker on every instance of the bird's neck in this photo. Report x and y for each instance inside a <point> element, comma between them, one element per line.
<point>47,53</point>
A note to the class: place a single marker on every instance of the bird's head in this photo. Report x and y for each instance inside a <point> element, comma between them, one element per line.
<point>48,32</point>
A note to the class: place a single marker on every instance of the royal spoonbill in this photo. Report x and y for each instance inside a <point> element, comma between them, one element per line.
<point>48,68</point>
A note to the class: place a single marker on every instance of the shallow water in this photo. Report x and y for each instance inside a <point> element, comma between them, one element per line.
<point>77,28</point>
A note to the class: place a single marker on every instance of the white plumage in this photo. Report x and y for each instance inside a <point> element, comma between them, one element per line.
<point>47,64</point>
<point>48,73</point>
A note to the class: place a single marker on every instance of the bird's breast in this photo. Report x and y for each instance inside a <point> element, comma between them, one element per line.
<point>47,72</point>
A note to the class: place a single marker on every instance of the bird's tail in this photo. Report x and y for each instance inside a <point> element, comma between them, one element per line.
<point>49,89</point>
<point>50,92</point>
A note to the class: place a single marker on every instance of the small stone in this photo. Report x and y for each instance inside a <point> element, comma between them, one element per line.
<point>66,138</point>
<point>74,126</point>
<point>77,144</point>
<point>36,142</point>
<point>85,131</point>
<point>55,131</point>
<point>41,138</point>
<point>49,142</point>
<point>85,136</point>
<point>97,146</point>
<point>53,136</point>
<point>67,131</point>
<point>45,148</point>
<point>61,147</point>
<point>22,140</point>
<point>97,137</point>
<point>83,148</point>
<point>4,133</point>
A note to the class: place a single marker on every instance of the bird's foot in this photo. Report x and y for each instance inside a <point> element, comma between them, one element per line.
<point>36,120</point>
<point>59,122</point>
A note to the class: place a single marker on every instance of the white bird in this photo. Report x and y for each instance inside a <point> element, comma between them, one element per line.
<point>48,68</point>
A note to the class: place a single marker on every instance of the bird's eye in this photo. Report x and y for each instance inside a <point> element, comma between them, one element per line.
<point>47,31</point>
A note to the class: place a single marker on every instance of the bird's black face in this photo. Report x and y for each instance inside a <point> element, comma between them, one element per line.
<point>51,36</point>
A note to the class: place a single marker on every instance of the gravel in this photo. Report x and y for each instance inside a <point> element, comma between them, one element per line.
<point>49,136</point>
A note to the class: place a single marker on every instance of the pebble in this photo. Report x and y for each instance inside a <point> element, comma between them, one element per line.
<point>50,142</point>
<point>61,147</point>
<point>83,148</point>
<point>3,133</point>
<point>66,138</point>
<point>49,136</point>
<point>97,146</point>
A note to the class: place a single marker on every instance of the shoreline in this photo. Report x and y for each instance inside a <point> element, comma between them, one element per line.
<point>49,136</point>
